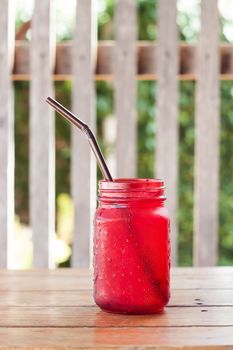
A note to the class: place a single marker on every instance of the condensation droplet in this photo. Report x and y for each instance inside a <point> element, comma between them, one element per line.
<point>113,275</point>
<point>127,240</point>
<point>123,275</point>
<point>131,273</point>
<point>109,259</point>
<point>139,280</point>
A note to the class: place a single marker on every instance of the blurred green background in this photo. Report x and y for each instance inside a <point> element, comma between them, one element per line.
<point>188,23</point>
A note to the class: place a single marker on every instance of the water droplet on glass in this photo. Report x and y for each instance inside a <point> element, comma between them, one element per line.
<point>123,251</point>
<point>139,280</point>
<point>123,275</point>
<point>113,275</point>
<point>131,273</point>
<point>127,240</point>
<point>109,259</point>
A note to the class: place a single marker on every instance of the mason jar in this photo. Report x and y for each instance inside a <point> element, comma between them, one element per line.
<point>131,247</point>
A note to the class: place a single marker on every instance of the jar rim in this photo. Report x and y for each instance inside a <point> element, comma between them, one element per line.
<point>132,184</point>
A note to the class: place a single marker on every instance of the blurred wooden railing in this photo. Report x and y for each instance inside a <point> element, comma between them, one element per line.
<point>104,65</point>
<point>83,60</point>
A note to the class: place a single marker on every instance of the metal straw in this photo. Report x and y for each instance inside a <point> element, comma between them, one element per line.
<point>84,128</point>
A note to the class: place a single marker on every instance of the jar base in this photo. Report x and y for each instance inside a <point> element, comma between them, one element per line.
<point>131,311</point>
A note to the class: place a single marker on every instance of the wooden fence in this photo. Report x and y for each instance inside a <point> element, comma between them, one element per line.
<point>84,60</point>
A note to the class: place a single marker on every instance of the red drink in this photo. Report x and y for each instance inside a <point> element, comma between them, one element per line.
<point>131,247</point>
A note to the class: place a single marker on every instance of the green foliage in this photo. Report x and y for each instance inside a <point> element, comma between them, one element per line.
<point>186,162</point>
<point>104,108</point>
<point>21,149</point>
<point>105,21</point>
<point>146,129</point>
<point>63,151</point>
<point>226,178</point>
<point>147,19</point>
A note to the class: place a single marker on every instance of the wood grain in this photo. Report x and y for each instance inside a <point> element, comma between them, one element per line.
<point>167,112</point>
<point>93,317</point>
<point>42,175</point>
<point>83,102</point>
<point>75,280</point>
<point>125,87</point>
<point>6,130</point>
<point>58,298</point>
<point>207,139</point>
<point>55,318</point>
<point>191,338</point>
<point>185,272</point>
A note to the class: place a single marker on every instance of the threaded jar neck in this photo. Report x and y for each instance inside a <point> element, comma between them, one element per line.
<point>131,189</point>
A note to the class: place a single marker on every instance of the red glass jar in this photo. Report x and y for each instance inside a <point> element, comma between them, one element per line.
<point>131,247</point>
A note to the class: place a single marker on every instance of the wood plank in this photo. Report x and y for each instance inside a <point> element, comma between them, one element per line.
<point>47,283</point>
<point>6,130</point>
<point>179,274</point>
<point>192,338</point>
<point>58,298</point>
<point>167,112</point>
<point>201,272</point>
<point>83,163</point>
<point>46,298</point>
<point>42,181</point>
<point>94,317</point>
<point>104,69</point>
<point>204,284</point>
<point>53,316</point>
<point>125,87</point>
<point>41,273</point>
<point>201,297</point>
<point>207,139</point>
<point>79,282</point>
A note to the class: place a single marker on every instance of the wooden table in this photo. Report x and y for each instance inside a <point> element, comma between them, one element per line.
<point>54,310</point>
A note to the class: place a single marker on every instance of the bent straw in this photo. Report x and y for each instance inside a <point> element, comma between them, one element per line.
<point>84,128</point>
